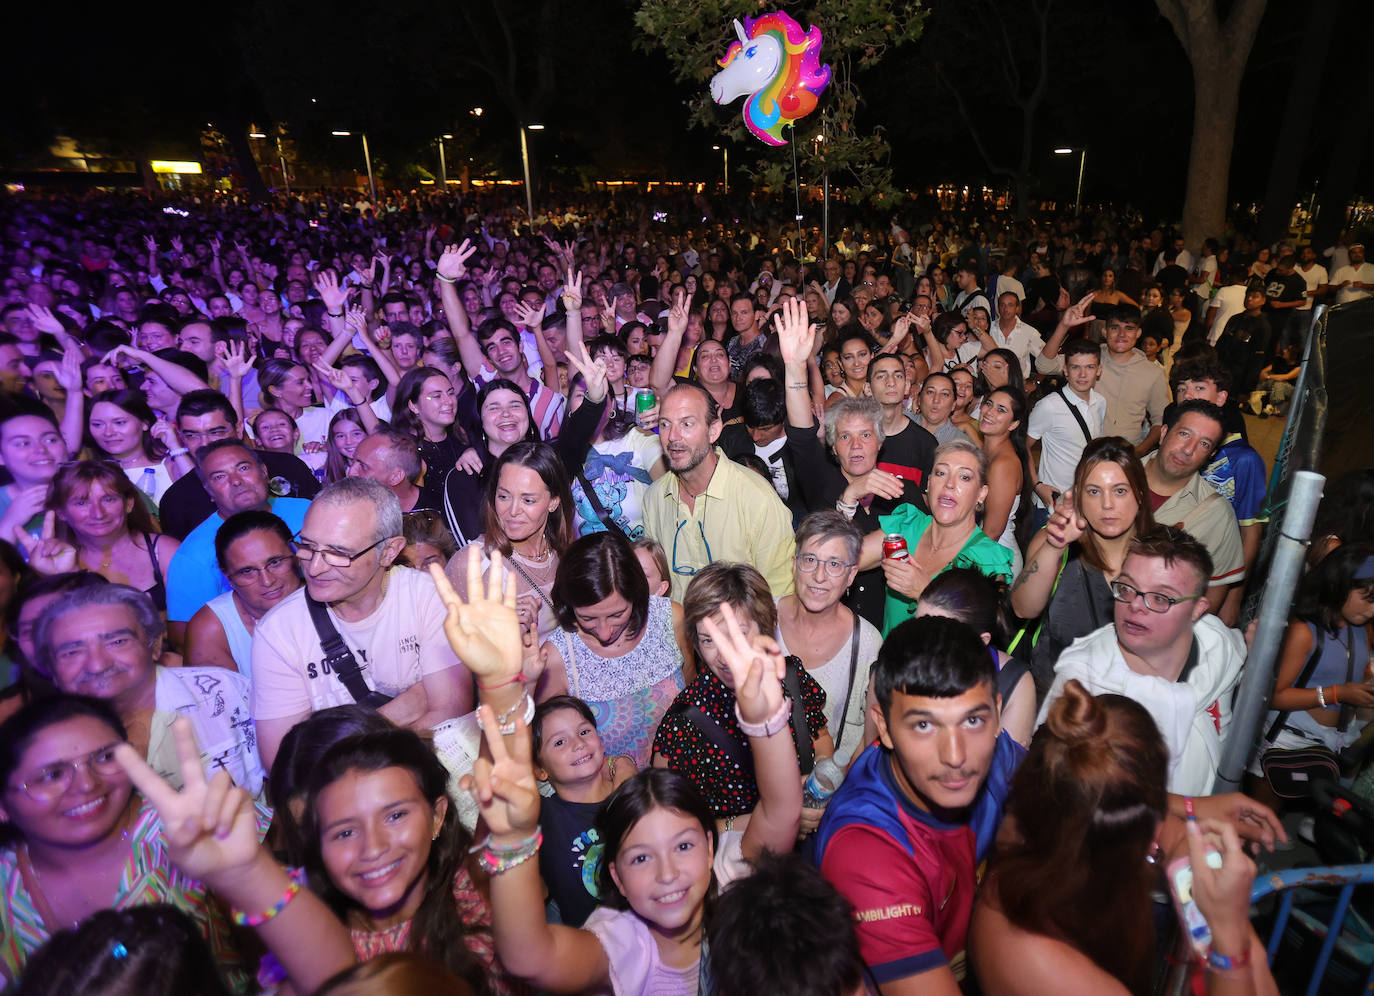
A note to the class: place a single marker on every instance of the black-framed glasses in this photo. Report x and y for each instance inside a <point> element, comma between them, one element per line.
<point>687,570</point>
<point>51,780</point>
<point>1155,601</point>
<point>834,567</point>
<point>306,553</point>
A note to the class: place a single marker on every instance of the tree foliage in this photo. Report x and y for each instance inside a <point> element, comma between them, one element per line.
<point>858,36</point>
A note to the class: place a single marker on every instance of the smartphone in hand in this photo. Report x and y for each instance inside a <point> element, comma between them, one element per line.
<point>1180,875</point>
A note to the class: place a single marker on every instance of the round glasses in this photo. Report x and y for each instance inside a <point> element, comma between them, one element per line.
<point>1155,601</point>
<point>834,568</point>
<point>52,780</point>
<point>272,567</point>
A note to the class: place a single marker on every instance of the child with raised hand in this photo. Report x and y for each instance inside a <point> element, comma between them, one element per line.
<point>661,854</point>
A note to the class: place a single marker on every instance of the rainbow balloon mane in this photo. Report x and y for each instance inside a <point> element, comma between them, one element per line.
<point>799,81</point>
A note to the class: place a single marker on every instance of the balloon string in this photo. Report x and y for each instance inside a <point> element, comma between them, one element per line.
<point>796,186</point>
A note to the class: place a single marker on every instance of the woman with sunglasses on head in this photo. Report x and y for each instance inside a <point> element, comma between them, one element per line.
<point>254,552</point>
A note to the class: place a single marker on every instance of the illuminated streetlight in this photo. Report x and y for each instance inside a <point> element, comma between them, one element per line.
<point>525,161</point>
<point>726,153</point>
<point>256,134</point>
<point>476,112</point>
<point>367,156</point>
<point>1082,162</point>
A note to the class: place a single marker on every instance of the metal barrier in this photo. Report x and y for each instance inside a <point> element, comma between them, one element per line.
<point>1346,877</point>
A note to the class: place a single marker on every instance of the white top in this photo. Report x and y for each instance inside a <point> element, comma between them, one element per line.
<point>396,647</point>
<point>1314,278</point>
<point>1061,438</point>
<point>846,724</point>
<point>1229,302</point>
<point>215,700</point>
<point>1023,340</point>
<point>240,640</point>
<point>1363,273</point>
<point>1192,715</point>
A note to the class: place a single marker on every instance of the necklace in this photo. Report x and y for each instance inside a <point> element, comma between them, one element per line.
<point>542,558</point>
<point>105,560</point>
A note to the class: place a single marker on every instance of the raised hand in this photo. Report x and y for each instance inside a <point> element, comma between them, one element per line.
<point>177,246</point>
<point>875,482</point>
<point>453,263</point>
<point>1078,314</point>
<point>210,827</point>
<point>796,339</point>
<point>593,371</point>
<point>44,320</point>
<point>900,328</point>
<point>757,669</point>
<point>505,788</point>
<point>1066,525</point>
<point>68,372</point>
<point>484,629</point>
<point>678,315</point>
<point>355,317</point>
<point>327,286</point>
<point>530,316</point>
<point>233,356</point>
<point>341,382</point>
<point>572,292</point>
<point>48,555</point>
<point>150,243</point>
<point>215,244</point>
<point>164,432</point>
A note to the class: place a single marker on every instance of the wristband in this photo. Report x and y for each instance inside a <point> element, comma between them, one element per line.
<point>1335,696</point>
<point>334,314</point>
<point>1223,963</point>
<point>444,279</point>
<point>847,509</point>
<point>258,919</point>
<point>1321,697</point>
<point>775,723</point>
<point>495,859</point>
<point>178,452</point>
<point>519,676</point>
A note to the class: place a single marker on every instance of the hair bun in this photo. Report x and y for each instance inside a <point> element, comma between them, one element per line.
<point>1076,718</point>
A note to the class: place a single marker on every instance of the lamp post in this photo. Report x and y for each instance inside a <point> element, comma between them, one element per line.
<point>1082,161</point>
<point>525,161</point>
<point>726,153</point>
<point>367,157</point>
<point>443,167</point>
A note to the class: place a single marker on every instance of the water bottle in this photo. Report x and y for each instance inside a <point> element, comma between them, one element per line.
<point>821,784</point>
<point>147,482</point>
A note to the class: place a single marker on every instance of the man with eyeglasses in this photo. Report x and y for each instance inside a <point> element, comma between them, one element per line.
<point>1164,650</point>
<point>390,619</point>
<point>236,479</point>
<point>205,417</point>
<point>105,640</point>
<point>710,508</point>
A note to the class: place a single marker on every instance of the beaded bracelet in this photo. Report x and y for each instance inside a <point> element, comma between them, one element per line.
<point>495,858</point>
<point>504,724</point>
<point>258,919</point>
<point>775,723</point>
<point>447,280</point>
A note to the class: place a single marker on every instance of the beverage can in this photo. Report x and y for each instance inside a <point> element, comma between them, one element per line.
<point>894,547</point>
<point>645,399</point>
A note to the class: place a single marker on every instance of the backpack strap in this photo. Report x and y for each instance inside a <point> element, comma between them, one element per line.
<point>339,658</point>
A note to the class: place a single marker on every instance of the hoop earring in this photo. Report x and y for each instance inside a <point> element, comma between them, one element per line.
<point>978,508</point>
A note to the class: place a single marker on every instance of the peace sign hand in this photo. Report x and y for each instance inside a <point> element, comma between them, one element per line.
<point>484,630</point>
<point>593,371</point>
<point>757,670</point>
<point>340,381</point>
<point>504,788</point>
<point>1078,314</point>
<point>48,555</point>
<point>210,827</point>
<point>453,263</point>
<point>572,292</point>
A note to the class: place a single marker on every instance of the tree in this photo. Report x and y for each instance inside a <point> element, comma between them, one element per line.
<point>1217,48</point>
<point>858,34</point>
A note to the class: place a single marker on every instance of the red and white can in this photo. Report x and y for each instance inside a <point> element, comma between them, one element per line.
<point>894,547</point>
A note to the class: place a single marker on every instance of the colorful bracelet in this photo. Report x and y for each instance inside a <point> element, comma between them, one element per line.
<point>775,723</point>
<point>495,858</point>
<point>258,919</point>
<point>1189,809</point>
<point>447,280</point>
<point>1222,963</point>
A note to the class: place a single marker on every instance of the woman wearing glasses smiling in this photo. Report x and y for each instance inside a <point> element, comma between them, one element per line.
<point>254,551</point>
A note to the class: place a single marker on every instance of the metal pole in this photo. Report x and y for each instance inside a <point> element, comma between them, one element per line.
<point>285,177</point>
<point>443,168</point>
<point>1078,197</point>
<point>1258,678</point>
<point>825,223</point>
<point>727,169</point>
<point>371,184</point>
<point>525,161</point>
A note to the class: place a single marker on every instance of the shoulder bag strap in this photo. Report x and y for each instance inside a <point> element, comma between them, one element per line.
<point>611,525</point>
<point>1077,415</point>
<point>530,581</point>
<point>337,657</point>
<point>849,689</point>
<point>801,733</point>
<point>1307,671</point>
<point>1347,712</point>
<point>715,733</point>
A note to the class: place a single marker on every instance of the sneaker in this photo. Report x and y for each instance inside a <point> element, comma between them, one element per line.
<point>1271,410</point>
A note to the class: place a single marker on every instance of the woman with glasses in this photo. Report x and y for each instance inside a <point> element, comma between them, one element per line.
<point>616,647</point>
<point>836,646</point>
<point>79,840</point>
<point>97,521</point>
<point>254,552</point>
<point>1070,562</point>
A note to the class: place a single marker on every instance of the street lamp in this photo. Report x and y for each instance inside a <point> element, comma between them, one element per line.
<point>726,153</point>
<point>1082,161</point>
<point>525,161</point>
<point>367,156</point>
<point>443,168</point>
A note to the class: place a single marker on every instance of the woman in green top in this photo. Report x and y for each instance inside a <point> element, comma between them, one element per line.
<point>948,537</point>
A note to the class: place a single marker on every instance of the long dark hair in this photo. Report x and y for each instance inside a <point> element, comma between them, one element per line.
<point>1087,801</point>
<point>594,568</point>
<point>133,403</point>
<point>972,597</point>
<point>1022,525</point>
<point>544,461</point>
<point>436,930</point>
<point>502,384</point>
<point>652,788</point>
<point>408,392</point>
<point>1112,449</point>
<point>1323,591</point>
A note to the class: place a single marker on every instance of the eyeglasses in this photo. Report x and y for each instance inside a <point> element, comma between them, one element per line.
<point>50,781</point>
<point>306,553</point>
<point>1155,601</point>
<point>272,566</point>
<point>834,568</point>
<point>687,571</point>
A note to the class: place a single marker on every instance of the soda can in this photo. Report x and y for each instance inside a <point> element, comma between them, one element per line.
<point>894,547</point>
<point>645,399</point>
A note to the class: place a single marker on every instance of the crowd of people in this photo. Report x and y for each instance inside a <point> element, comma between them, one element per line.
<point>415,598</point>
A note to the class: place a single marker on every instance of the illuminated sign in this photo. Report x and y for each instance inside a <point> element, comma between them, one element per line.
<point>174,166</point>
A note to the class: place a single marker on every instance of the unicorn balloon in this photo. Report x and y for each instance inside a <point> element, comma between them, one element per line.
<point>775,63</point>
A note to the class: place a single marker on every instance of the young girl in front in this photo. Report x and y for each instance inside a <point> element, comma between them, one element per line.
<point>569,755</point>
<point>661,858</point>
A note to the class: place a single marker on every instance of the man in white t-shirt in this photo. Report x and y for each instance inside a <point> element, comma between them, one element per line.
<point>390,618</point>
<point>1227,302</point>
<point>1010,332</point>
<point>1355,280</point>
<point>1062,436</point>
<point>1314,274</point>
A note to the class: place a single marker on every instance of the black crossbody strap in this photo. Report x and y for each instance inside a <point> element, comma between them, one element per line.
<point>597,507</point>
<point>337,657</point>
<point>801,733</point>
<point>715,733</point>
<point>1077,415</point>
<point>849,689</point>
<point>1307,671</point>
